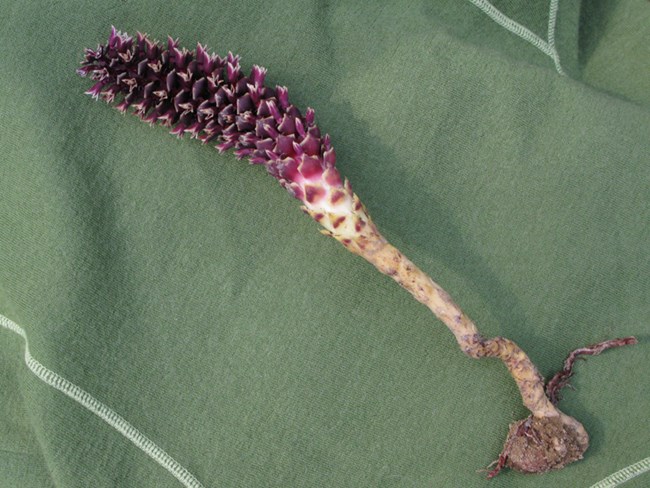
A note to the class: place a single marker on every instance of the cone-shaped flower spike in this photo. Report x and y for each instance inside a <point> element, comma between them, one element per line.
<point>211,99</point>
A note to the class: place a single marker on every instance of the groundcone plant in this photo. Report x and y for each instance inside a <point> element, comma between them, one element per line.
<point>211,99</point>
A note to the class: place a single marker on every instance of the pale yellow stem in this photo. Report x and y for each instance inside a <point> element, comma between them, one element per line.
<point>372,246</point>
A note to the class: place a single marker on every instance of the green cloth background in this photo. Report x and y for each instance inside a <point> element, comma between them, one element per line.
<point>186,290</point>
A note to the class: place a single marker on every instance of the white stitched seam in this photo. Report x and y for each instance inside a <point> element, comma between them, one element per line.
<point>625,474</point>
<point>506,22</point>
<point>104,412</point>
<point>552,21</point>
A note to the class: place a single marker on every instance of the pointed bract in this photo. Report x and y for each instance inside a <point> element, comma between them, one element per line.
<point>209,98</point>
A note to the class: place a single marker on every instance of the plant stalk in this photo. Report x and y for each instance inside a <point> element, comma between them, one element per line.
<point>373,247</point>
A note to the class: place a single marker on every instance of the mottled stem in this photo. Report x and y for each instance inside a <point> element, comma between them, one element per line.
<point>389,260</point>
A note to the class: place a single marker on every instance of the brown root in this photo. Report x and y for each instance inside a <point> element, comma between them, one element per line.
<point>561,378</point>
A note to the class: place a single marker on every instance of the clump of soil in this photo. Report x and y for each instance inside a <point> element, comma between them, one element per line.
<point>540,444</point>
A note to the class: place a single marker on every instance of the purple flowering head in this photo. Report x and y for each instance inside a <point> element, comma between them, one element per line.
<point>210,98</point>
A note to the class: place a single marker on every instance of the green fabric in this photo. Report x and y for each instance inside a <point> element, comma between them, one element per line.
<point>185,289</point>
